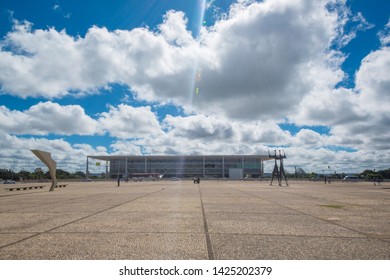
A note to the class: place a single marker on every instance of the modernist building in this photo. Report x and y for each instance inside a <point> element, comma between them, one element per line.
<point>203,166</point>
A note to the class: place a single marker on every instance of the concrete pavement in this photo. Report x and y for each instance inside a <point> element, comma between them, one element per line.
<point>182,220</point>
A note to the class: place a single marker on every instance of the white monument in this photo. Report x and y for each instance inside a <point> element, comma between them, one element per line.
<point>45,157</point>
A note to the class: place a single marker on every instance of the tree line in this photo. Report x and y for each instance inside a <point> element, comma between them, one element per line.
<point>368,174</point>
<point>38,174</point>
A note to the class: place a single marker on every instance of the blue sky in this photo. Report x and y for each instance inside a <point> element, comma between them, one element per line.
<point>90,77</point>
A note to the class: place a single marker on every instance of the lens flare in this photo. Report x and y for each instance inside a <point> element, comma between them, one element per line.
<point>196,70</point>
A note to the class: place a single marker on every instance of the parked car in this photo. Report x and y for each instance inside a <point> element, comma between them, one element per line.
<point>9,182</point>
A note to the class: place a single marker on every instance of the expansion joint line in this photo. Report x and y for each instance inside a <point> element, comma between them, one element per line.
<point>210,252</point>
<point>318,218</point>
<point>83,218</point>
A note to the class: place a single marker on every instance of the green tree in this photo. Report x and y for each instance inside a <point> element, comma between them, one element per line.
<point>23,174</point>
<point>62,174</point>
<point>79,174</point>
<point>38,172</point>
<point>7,174</point>
<point>385,173</point>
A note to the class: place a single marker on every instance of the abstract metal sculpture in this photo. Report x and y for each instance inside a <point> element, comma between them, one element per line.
<point>45,157</point>
<point>278,172</point>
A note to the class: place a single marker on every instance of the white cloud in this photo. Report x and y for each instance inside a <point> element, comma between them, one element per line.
<point>123,147</point>
<point>264,53</point>
<point>309,138</point>
<point>318,160</point>
<point>384,35</point>
<point>126,121</point>
<point>15,153</point>
<point>359,117</point>
<point>199,127</point>
<point>174,29</point>
<point>373,86</point>
<point>48,118</point>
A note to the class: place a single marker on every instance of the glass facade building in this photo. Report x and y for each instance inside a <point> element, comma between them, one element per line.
<point>203,166</point>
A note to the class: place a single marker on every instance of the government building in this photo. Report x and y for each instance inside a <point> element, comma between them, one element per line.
<point>202,166</point>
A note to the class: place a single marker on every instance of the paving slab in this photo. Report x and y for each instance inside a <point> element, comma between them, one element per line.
<point>9,238</point>
<point>259,208</point>
<point>35,222</point>
<point>168,206</point>
<point>96,246</point>
<point>138,222</point>
<point>277,224</point>
<point>376,225</point>
<point>337,209</point>
<point>262,247</point>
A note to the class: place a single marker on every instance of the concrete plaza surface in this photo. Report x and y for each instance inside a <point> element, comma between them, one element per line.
<point>182,220</point>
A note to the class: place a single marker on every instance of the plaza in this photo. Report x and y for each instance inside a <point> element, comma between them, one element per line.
<point>216,219</point>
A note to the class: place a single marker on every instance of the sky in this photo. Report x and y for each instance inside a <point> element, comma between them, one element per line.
<point>174,77</point>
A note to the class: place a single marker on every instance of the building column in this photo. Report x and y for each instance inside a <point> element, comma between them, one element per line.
<point>119,167</point>
<point>261,168</point>
<point>86,169</point>
<point>223,167</point>
<point>204,167</point>
<point>106,168</point>
<point>126,172</point>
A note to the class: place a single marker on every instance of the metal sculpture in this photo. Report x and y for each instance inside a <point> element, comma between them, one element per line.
<point>278,172</point>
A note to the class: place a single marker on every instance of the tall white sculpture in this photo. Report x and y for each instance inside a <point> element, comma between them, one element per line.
<point>45,157</point>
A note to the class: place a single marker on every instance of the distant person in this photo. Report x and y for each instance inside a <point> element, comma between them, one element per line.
<point>325,179</point>
<point>119,181</point>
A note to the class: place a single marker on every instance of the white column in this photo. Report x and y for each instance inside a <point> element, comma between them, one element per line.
<point>261,168</point>
<point>86,169</point>
<point>126,172</point>
<point>106,168</point>
<point>119,166</point>
<point>223,167</point>
<point>204,168</point>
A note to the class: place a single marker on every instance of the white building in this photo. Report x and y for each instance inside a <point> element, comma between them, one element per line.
<point>203,166</point>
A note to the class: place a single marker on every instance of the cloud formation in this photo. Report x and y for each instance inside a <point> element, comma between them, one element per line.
<point>262,64</point>
<point>15,153</point>
<point>129,122</point>
<point>243,59</point>
<point>48,118</point>
<point>358,117</point>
